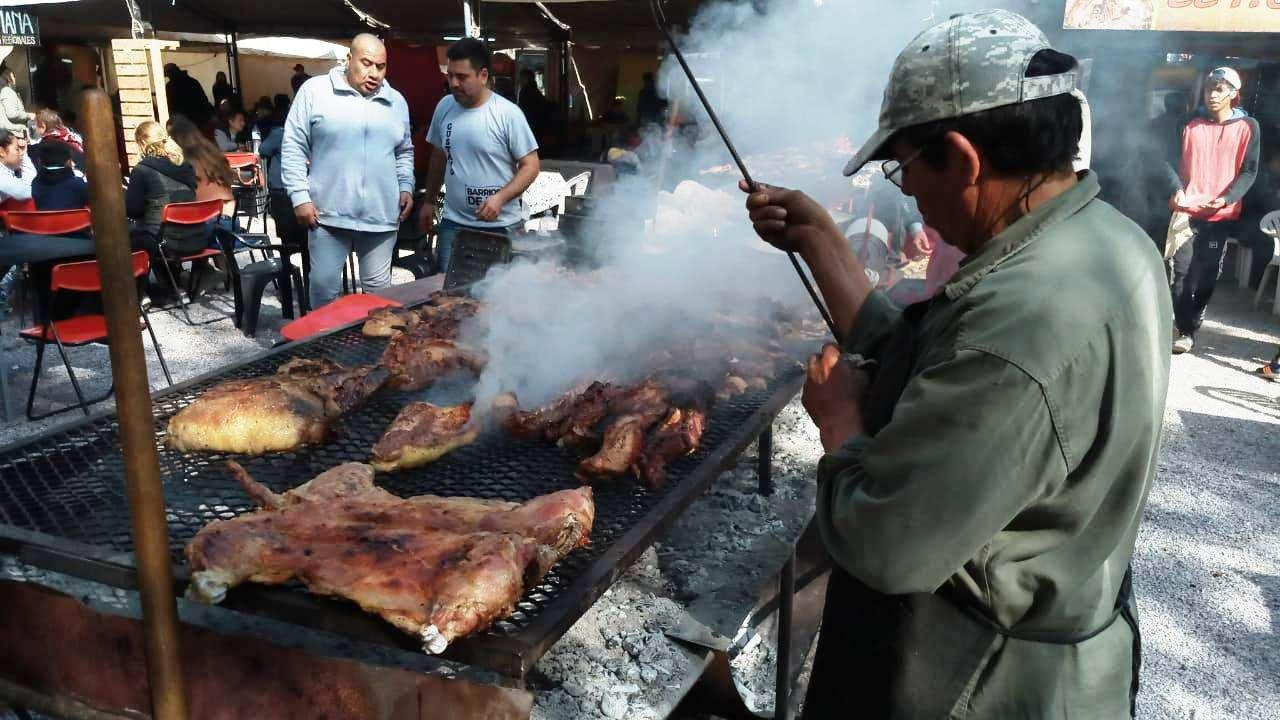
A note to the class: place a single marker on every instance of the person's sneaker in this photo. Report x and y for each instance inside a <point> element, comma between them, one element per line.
<point>1183,344</point>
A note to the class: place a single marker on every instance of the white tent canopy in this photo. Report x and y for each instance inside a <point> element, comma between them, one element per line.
<point>293,47</point>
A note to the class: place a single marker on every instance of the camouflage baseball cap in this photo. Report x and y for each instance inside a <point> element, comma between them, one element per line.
<point>970,63</point>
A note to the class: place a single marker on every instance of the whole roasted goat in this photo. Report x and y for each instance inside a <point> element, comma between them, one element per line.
<point>438,568</point>
<point>292,408</point>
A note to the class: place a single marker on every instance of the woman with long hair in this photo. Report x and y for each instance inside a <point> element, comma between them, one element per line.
<point>214,176</point>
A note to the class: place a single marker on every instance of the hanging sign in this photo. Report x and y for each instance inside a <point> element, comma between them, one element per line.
<point>18,27</point>
<point>1184,15</point>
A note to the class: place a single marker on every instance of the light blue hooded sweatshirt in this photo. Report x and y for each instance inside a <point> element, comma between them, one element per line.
<point>349,154</point>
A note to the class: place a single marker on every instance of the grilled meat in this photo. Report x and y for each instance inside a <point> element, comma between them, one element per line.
<point>621,449</point>
<point>438,568</point>
<point>285,411</point>
<point>534,424</point>
<point>423,433</point>
<point>440,299</point>
<point>732,387</point>
<point>678,435</point>
<point>634,411</point>
<point>417,360</point>
<point>444,320</point>
<point>578,428</point>
<point>440,318</point>
<point>386,321</point>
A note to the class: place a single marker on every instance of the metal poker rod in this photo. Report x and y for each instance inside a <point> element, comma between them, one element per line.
<point>660,18</point>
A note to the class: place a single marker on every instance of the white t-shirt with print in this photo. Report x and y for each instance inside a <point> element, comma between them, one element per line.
<point>481,146</point>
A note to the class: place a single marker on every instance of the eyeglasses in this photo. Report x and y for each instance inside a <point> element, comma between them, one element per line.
<point>892,169</point>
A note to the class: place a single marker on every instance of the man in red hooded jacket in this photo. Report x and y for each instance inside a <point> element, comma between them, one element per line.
<point>1219,164</point>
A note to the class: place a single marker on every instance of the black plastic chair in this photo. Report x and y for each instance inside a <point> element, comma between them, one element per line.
<point>474,253</point>
<point>251,280</point>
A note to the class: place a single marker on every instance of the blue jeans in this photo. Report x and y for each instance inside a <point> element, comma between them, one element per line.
<point>447,233</point>
<point>330,247</point>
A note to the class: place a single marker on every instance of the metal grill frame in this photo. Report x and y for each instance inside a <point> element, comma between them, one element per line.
<point>511,653</point>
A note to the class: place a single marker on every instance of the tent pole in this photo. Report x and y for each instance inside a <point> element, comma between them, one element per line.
<point>233,58</point>
<point>564,92</point>
<point>471,18</point>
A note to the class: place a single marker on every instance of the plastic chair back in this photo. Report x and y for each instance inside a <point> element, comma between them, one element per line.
<point>247,167</point>
<point>16,204</point>
<point>84,277</point>
<point>474,253</point>
<point>48,222</point>
<point>1270,223</point>
<point>192,213</point>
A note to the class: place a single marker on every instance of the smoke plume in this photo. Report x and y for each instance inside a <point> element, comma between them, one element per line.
<point>796,86</point>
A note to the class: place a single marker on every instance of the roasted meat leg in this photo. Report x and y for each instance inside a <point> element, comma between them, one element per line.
<point>280,412</point>
<point>424,433</point>
<point>623,443</point>
<point>678,435</point>
<point>438,568</point>
<point>635,411</point>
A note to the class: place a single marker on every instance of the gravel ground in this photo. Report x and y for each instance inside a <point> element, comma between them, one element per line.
<point>1207,565</point>
<point>616,661</point>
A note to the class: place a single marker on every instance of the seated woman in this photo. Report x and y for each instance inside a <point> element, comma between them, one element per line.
<point>16,174</point>
<point>16,168</point>
<point>162,176</point>
<point>225,136</point>
<point>214,177</point>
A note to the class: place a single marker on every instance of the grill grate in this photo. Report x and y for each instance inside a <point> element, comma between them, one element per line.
<point>68,484</point>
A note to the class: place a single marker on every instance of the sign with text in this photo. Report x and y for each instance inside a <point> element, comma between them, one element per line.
<point>1186,15</point>
<point>18,27</point>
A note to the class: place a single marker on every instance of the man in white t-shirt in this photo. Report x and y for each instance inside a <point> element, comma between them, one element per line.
<point>484,150</point>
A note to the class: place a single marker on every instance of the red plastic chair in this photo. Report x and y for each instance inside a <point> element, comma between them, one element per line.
<point>188,214</point>
<point>250,189</point>
<point>83,329</point>
<point>48,222</point>
<point>345,310</point>
<point>10,204</point>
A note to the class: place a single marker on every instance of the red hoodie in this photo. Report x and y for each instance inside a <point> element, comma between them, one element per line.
<point>1219,160</point>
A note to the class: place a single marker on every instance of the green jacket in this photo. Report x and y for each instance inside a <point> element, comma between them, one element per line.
<point>1017,462</point>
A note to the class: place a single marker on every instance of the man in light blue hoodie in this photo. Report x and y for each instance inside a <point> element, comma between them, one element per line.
<point>347,164</point>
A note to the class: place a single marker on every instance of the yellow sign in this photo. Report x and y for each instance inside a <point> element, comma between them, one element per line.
<point>1194,15</point>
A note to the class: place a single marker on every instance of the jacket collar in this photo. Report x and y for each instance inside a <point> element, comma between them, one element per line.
<point>1022,233</point>
<point>338,76</point>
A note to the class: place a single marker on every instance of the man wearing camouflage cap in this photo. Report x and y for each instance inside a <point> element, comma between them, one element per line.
<point>987,464</point>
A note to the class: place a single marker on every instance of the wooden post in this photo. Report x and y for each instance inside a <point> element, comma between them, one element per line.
<point>133,407</point>
<point>157,75</point>
<point>139,72</point>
